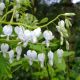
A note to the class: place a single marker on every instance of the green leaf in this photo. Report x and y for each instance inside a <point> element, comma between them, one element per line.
<point>37,47</point>
<point>5,71</point>
<point>25,3</point>
<point>68,53</point>
<point>44,20</point>
<point>78,78</point>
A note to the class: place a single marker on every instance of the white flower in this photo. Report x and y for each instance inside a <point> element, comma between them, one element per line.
<point>2,6</point>
<point>48,35</point>
<point>61,23</point>
<point>7,30</point>
<point>19,51</point>
<point>4,49</point>
<point>19,30</point>
<point>50,57</point>
<point>60,53</point>
<point>33,38</point>
<point>11,56</point>
<point>31,55</point>
<point>37,32</point>
<point>41,58</point>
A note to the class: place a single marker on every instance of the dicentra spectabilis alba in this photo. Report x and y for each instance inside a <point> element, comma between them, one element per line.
<point>18,51</point>
<point>4,49</point>
<point>60,54</point>
<point>18,30</point>
<point>37,32</point>
<point>11,56</point>
<point>7,30</point>
<point>50,57</point>
<point>61,23</point>
<point>2,6</point>
<point>41,58</point>
<point>31,55</point>
<point>48,36</point>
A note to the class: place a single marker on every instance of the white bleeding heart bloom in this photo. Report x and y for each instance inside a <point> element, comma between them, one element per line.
<point>2,6</point>
<point>11,56</point>
<point>4,49</point>
<point>31,55</point>
<point>50,57</point>
<point>7,30</point>
<point>61,28</point>
<point>60,54</point>
<point>19,51</point>
<point>18,30</point>
<point>41,58</point>
<point>61,23</point>
<point>37,32</point>
<point>33,38</point>
<point>48,35</point>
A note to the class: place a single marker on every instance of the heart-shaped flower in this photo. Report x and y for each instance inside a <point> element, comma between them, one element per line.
<point>50,57</point>
<point>4,49</point>
<point>41,58</point>
<point>11,56</point>
<point>2,6</point>
<point>7,30</point>
<point>18,51</point>
<point>31,55</point>
<point>48,35</point>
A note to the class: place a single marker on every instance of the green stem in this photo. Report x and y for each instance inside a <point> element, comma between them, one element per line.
<point>7,14</point>
<point>28,26</point>
<point>51,21</point>
<point>9,41</point>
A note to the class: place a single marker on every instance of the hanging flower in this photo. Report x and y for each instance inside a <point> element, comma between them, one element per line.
<point>4,49</point>
<point>2,6</point>
<point>37,32</point>
<point>48,36</point>
<point>7,30</point>
<point>11,56</point>
<point>60,54</point>
<point>50,57</point>
<point>19,51</point>
<point>61,23</point>
<point>31,55</point>
<point>41,58</point>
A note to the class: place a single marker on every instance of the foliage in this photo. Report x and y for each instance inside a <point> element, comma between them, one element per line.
<point>29,34</point>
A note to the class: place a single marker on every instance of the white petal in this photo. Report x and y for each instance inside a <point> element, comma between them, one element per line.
<point>41,57</point>
<point>60,53</point>
<point>61,23</point>
<point>19,51</point>
<point>7,30</point>
<point>50,55</point>
<point>2,6</point>
<point>11,56</point>
<point>37,32</point>
<point>4,48</point>
<point>48,35</point>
